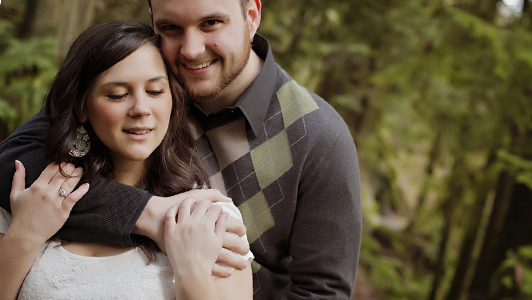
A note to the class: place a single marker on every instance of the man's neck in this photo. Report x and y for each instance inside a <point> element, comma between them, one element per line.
<point>233,91</point>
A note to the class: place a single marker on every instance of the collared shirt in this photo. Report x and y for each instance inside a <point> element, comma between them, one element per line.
<point>254,103</point>
<point>288,161</point>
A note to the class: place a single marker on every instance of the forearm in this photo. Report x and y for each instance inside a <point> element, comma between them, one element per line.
<point>106,214</point>
<point>238,286</point>
<point>329,208</point>
<point>195,287</point>
<point>16,258</point>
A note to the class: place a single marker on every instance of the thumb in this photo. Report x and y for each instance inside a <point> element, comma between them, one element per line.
<point>18,179</point>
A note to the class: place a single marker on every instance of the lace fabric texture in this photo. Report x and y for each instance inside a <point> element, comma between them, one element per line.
<point>59,274</point>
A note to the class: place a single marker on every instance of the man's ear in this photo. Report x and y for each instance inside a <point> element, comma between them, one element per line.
<point>151,16</point>
<point>253,17</point>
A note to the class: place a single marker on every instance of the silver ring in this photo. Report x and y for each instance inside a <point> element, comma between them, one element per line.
<point>62,193</point>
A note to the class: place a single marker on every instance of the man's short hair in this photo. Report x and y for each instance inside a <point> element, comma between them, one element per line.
<point>243,6</point>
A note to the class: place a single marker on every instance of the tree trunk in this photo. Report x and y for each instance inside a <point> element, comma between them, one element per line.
<point>499,213</point>
<point>486,264</point>
<point>472,230</point>
<point>429,170</point>
<point>455,192</point>
<point>66,18</point>
<point>26,28</point>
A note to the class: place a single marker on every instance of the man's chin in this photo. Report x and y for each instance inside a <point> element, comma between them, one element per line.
<point>203,96</point>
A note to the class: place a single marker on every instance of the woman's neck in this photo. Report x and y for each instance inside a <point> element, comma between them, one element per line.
<point>128,173</point>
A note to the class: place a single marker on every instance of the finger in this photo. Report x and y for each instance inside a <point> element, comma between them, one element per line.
<point>183,214</point>
<point>235,243</point>
<point>59,178</point>
<point>74,197</point>
<point>212,214</point>
<point>219,229</point>
<point>170,216</point>
<point>221,270</point>
<point>231,259</point>
<point>18,179</point>
<point>47,174</point>
<point>200,208</point>
<point>70,182</point>
<point>236,226</point>
<point>212,194</point>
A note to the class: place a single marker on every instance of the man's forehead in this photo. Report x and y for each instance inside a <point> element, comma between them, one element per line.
<point>182,10</point>
<point>198,2</point>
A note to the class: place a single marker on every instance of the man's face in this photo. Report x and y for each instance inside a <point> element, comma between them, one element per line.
<point>206,42</point>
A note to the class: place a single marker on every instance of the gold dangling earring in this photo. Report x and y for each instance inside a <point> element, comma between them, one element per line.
<point>82,145</point>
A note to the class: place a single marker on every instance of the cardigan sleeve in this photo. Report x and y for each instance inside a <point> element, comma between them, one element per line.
<point>107,213</point>
<point>327,228</point>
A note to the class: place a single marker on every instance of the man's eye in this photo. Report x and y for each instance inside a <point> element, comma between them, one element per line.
<point>117,97</point>
<point>169,27</point>
<point>212,22</point>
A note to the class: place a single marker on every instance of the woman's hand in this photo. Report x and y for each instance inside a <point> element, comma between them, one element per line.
<point>194,233</point>
<point>42,209</point>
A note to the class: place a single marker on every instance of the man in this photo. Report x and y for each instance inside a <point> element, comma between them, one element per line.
<point>283,155</point>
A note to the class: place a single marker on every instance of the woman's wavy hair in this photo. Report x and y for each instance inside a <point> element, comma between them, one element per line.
<point>173,167</point>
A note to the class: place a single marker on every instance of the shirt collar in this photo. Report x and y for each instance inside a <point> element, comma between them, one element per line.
<point>256,99</point>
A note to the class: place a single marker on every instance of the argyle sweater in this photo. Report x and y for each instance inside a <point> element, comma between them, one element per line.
<point>283,155</point>
<point>288,161</point>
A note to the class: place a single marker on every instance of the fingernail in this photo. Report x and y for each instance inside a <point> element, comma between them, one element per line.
<point>229,273</point>
<point>87,184</point>
<point>17,162</point>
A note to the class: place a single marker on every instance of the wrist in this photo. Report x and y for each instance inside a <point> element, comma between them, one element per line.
<point>23,241</point>
<point>199,286</point>
<point>147,223</point>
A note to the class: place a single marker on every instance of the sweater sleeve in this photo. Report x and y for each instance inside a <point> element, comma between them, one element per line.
<point>327,228</point>
<point>107,213</point>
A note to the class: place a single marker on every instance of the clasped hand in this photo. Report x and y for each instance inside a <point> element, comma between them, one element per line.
<point>194,233</point>
<point>152,224</point>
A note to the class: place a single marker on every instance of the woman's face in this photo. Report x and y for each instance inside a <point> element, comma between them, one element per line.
<point>130,104</point>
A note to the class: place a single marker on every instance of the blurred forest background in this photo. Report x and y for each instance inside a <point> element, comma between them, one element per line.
<point>438,96</point>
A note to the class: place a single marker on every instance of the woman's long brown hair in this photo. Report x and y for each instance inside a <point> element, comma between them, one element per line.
<point>173,167</point>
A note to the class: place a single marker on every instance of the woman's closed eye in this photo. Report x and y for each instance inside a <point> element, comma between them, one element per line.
<point>117,96</point>
<point>155,92</point>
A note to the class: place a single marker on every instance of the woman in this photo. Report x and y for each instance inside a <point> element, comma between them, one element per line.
<point>114,110</point>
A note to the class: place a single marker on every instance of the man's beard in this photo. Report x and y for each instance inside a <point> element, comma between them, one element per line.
<point>226,77</point>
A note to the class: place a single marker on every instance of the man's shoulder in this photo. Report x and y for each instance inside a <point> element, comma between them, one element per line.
<point>298,102</point>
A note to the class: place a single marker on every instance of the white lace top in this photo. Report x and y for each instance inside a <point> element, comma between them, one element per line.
<point>59,274</point>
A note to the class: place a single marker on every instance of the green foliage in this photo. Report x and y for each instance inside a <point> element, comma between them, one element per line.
<point>27,68</point>
<point>519,167</point>
<point>402,74</point>
<point>518,261</point>
<point>393,276</point>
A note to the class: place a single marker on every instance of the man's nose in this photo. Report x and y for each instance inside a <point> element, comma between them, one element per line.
<point>193,45</point>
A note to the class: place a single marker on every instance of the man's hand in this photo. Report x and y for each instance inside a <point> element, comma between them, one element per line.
<point>232,246</point>
<point>151,225</point>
